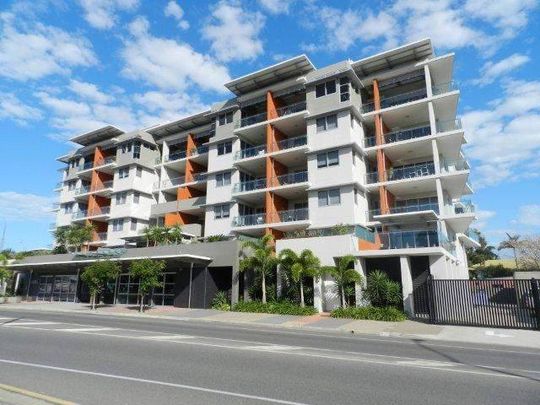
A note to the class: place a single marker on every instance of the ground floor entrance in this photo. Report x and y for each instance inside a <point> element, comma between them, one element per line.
<point>57,288</point>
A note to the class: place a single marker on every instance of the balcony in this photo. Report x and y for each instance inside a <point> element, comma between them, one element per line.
<point>444,88</point>
<point>409,239</point>
<point>199,150</point>
<point>289,178</point>
<point>461,207</point>
<point>291,109</point>
<point>175,156</point>
<point>251,185</point>
<point>396,100</point>
<point>250,152</point>
<point>281,217</point>
<point>407,209</point>
<point>200,177</point>
<point>170,183</point>
<point>55,206</point>
<point>102,162</point>
<point>253,119</point>
<point>290,143</point>
<point>451,125</point>
<point>401,135</point>
<point>97,212</point>
<point>99,237</point>
<point>401,173</point>
<point>105,186</point>
<point>450,166</point>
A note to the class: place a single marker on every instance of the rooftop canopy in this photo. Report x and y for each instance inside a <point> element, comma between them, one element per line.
<point>294,67</point>
<point>182,125</point>
<point>97,135</point>
<point>415,51</point>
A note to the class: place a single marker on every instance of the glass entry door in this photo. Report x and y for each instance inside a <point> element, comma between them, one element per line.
<point>57,288</point>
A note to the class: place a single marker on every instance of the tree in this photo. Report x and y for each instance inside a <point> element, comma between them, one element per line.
<point>510,243</point>
<point>148,272</point>
<point>155,235</point>
<point>61,236</point>
<point>5,274</point>
<point>381,291</point>
<point>261,261</point>
<point>528,250</point>
<point>97,274</point>
<point>343,275</point>
<point>481,254</point>
<point>73,235</point>
<point>299,266</point>
<point>174,234</point>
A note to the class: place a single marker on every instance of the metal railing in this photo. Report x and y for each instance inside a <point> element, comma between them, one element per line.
<point>99,237</point>
<point>292,142</point>
<point>451,125</point>
<point>175,156</point>
<point>444,88</point>
<point>396,100</point>
<point>400,173</point>
<point>409,239</point>
<point>449,166</point>
<point>250,220</point>
<point>301,214</point>
<point>173,182</point>
<point>291,109</point>
<point>250,185</point>
<point>405,134</point>
<point>289,178</point>
<point>253,119</point>
<point>250,152</point>
<point>405,209</point>
<point>370,141</point>
<point>199,150</point>
<point>85,166</point>
<point>462,207</point>
<point>294,215</point>
<point>472,235</point>
<point>92,213</point>
<point>99,163</point>
<point>82,190</point>
<point>200,177</point>
<point>88,189</point>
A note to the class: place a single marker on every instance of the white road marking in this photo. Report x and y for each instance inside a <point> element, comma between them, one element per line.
<point>75,330</point>
<point>493,333</point>
<point>155,382</point>
<point>270,348</point>
<point>31,323</point>
<point>167,337</point>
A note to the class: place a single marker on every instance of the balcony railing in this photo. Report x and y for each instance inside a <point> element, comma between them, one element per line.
<point>92,213</point>
<point>88,189</point>
<point>253,119</point>
<point>82,190</point>
<point>444,88</point>
<point>292,142</point>
<point>199,150</point>
<point>175,156</point>
<point>301,214</point>
<point>172,182</point>
<point>250,185</point>
<point>472,235</point>
<point>85,166</point>
<point>291,109</point>
<point>396,100</point>
<point>99,237</point>
<point>409,239</point>
<point>462,207</point>
<point>289,178</point>
<point>200,177</point>
<point>450,166</point>
<point>451,125</point>
<point>250,152</point>
<point>101,162</point>
<point>405,209</point>
<point>400,173</point>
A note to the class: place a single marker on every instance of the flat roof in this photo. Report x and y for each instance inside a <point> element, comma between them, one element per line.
<point>181,125</point>
<point>414,51</point>
<point>294,67</point>
<point>97,135</point>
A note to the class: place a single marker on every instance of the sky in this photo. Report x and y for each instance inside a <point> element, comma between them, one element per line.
<point>70,66</point>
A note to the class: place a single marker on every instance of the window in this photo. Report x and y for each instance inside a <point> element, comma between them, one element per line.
<point>326,88</point>
<point>118,224</point>
<point>225,118</point>
<point>327,123</point>
<point>133,226</point>
<point>223,179</point>
<point>123,173</point>
<point>137,150</point>
<point>139,171</point>
<point>344,89</point>
<point>329,197</point>
<point>136,197</point>
<point>328,159</point>
<point>68,208</point>
<point>72,185</point>
<point>224,147</point>
<point>221,211</point>
<point>121,198</point>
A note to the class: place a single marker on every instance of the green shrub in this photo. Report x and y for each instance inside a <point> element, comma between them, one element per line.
<point>221,301</point>
<point>388,314</point>
<point>381,291</point>
<point>216,238</point>
<point>274,307</point>
<point>491,271</point>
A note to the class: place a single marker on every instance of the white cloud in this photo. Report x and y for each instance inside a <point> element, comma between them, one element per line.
<point>11,108</point>
<point>25,207</point>
<point>168,64</point>
<point>491,71</point>
<point>175,11</point>
<point>276,6</point>
<point>529,215</point>
<point>102,14</point>
<point>33,51</point>
<point>505,139</point>
<point>234,32</point>
<point>89,90</point>
<point>482,218</point>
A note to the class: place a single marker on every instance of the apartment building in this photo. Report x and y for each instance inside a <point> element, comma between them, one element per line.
<point>360,157</point>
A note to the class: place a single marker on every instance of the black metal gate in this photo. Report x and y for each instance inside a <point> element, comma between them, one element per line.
<point>504,303</point>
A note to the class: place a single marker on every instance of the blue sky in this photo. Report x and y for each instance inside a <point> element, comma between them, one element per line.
<point>68,66</point>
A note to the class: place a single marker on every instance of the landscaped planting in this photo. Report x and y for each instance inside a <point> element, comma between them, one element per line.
<point>389,314</point>
<point>274,307</point>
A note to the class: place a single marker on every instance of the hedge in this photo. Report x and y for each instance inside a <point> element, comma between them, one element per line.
<point>389,314</point>
<point>274,307</point>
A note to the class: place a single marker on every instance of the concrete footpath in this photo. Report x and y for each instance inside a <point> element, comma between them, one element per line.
<point>319,322</point>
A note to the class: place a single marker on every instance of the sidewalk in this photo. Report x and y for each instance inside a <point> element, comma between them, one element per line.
<point>319,322</point>
<point>10,395</point>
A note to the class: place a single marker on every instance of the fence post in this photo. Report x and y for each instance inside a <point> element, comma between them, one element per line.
<point>430,298</point>
<point>536,300</point>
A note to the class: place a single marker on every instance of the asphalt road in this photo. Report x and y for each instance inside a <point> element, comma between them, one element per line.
<point>92,359</point>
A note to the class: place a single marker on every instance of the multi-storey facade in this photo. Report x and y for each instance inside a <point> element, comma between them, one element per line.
<point>374,144</point>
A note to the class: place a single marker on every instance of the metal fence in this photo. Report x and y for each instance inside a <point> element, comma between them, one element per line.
<point>504,303</point>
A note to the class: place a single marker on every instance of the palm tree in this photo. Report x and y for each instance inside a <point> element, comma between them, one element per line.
<point>174,234</point>
<point>156,235</point>
<point>510,243</point>
<point>343,275</point>
<point>147,232</point>
<point>61,236</point>
<point>299,266</point>
<point>78,235</point>
<point>262,259</point>
<point>484,252</point>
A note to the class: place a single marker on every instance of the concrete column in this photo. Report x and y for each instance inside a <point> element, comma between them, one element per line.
<point>436,157</point>
<point>318,294</point>
<point>429,88</point>
<point>29,283</point>
<point>279,282</point>
<point>360,267</point>
<point>432,118</point>
<point>440,196</point>
<point>407,284</point>
<point>235,288</point>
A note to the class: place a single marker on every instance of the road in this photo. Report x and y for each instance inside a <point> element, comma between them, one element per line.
<point>91,359</point>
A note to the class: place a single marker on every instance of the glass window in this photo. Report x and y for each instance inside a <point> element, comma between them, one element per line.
<point>221,211</point>
<point>326,88</point>
<point>137,150</point>
<point>321,160</point>
<point>221,119</point>
<point>121,198</point>
<point>118,224</point>
<point>224,147</point>
<point>123,173</point>
<point>344,88</point>
<point>321,124</point>
<point>334,197</point>
<point>223,179</point>
<point>136,197</point>
<point>323,198</point>
<point>320,90</point>
<point>331,87</point>
<point>226,118</point>
<point>133,224</point>
<point>333,158</point>
<point>139,171</point>
<point>331,122</point>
